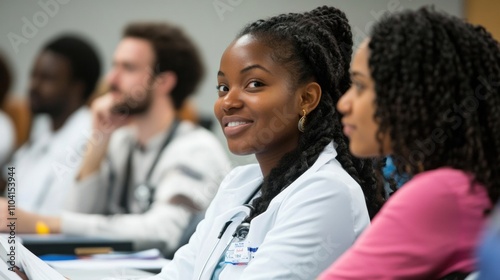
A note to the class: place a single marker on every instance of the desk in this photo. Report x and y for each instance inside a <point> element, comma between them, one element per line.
<point>82,274</point>
<point>66,244</point>
<point>153,266</point>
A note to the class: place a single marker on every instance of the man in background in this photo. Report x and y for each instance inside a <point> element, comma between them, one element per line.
<point>145,173</point>
<point>63,77</point>
<point>6,124</point>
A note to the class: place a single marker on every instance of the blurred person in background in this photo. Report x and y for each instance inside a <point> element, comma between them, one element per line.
<point>145,173</point>
<point>63,77</point>
<point>7,129</point>
<point>414,80</point>
<point>489,249</point>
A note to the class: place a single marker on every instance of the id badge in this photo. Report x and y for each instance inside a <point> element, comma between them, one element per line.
<point>239,253</point>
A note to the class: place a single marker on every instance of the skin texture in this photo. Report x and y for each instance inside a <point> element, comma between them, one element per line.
<point>252,90</point>
<point>438,95</point>
<point>315,49</point>
<point>50,81</point>
<point>358,107</point>
<point>131,77</point>
<point>52,88</point>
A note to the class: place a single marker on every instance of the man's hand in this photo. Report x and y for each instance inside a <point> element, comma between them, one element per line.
<point>104,120</point>
<point>104,123</point>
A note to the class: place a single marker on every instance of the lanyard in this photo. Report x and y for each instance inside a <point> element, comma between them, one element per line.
<point>247,204</point>
<point>242,227</point>
<point>128,169</point>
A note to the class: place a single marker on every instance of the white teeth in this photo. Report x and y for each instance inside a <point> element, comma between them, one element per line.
<point>230,124</point>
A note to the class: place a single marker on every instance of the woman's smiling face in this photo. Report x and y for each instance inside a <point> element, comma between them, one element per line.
<point>258,107</point>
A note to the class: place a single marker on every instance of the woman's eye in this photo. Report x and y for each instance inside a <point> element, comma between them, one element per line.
<point>358,86</point>
<point>222,88</point>
<point>255,84</point>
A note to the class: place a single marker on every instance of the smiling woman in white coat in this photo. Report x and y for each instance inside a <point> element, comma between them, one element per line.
<point>308,198</point>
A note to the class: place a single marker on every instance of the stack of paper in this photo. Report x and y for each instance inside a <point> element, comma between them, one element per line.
<point>15,254</point>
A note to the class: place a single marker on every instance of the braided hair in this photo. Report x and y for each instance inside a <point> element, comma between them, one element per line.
<point>437,81</point>
<point>315,45</point>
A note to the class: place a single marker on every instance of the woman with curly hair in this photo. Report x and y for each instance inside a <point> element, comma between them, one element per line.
<point>303,204</point>
<point>425,89</point>
<point>307,200</point>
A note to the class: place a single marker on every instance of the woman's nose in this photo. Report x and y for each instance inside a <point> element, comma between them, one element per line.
<point>232,100</point>
<point>344,103</point>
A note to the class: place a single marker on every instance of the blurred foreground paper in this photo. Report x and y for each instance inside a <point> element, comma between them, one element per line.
<point>13,253</point>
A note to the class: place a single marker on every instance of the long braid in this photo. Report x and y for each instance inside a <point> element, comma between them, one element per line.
<point>314,45</point>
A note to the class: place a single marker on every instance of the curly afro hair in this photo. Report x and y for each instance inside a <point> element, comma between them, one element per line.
<point>437,80</point>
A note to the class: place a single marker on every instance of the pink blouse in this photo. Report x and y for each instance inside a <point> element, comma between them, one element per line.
<point>428,229</point>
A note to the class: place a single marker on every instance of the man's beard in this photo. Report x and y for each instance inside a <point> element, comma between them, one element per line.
<point>134,105</point>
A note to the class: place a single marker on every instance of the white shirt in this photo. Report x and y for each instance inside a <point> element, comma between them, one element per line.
<point>8,137</point>
<point>46,165</point>
<point>306,227</point>
<point>192,166</point>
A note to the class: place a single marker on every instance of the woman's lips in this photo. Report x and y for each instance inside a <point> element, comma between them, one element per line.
<point>235,127</point>
<point>348,129</point>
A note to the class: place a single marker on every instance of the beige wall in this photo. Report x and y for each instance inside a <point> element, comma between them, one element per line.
<point>485,13</point>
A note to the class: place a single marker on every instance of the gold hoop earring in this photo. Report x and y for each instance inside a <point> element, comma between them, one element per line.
<point>302,121</point>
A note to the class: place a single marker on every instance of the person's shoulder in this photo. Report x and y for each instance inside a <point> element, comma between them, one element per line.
<point>4,118</point>
<point>442,173</point>
<point>326,175</point>
<point>7,145</point>
<point>333,170</point>
<point>330,181</point>
<point>432,180</point>
<point>244,173</point>
<point>80,120</point>
<point>331,177</point>
<point>7,125</point>
<point>439,186</point>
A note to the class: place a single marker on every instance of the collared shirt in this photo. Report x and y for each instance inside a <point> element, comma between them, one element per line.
<point>305,228</point>
<point>143,157</point>
<point>8,137</point>
<point>47,164</point>
<point>191,166</point>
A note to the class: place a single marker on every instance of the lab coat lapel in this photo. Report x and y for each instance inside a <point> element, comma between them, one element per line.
<point>214,247</point>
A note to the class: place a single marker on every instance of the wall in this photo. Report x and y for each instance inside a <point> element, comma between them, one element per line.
<point>26,25</point>
<point>484,12</point>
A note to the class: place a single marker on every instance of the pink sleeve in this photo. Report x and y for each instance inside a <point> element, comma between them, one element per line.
<point>424,211</point>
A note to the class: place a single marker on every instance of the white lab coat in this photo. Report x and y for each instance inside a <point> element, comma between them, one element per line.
<point>192,166</point>
<point>47,164</point>
<point>306,227</point>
